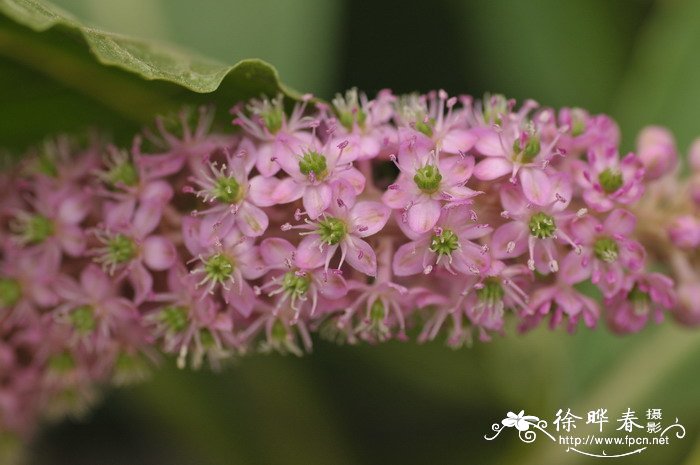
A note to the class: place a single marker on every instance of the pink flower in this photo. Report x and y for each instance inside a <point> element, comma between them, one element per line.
<point>94,308</point>
<point>380,304</point>
<point>227,189</point>
<point>516,148</point>
<point>52,226</point>
<point>125,177</point>
<point>26,284</point>
<point>535,228</point>
<point>586,131</point>
<point>608,181</point>
<point>428,183</point>
<point>449,245</point>
<point>314,173</point>
<point>280,136</point>
<point>424,125</point>
<point>193,146</point>
<point>363,123</point>
<point>278,333</point>
<point>643,297</point>
<point>297,288</point>
<point>190,322</point>
<point>499,289</point>
<point>607,250</point>
<point>343,227</point>
<point>561,300</point>
<point>129,246</point>
<point>227,259</point>
<point>61,163</point>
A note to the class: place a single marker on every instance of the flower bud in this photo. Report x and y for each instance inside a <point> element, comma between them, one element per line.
<point>687,311</point>
<point>684,232</point>
<point>656,148</point>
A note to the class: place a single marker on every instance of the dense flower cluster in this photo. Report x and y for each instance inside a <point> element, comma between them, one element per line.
<point>360,220</point>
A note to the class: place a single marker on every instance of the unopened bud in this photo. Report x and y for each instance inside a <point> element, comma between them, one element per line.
<point>656,148</point>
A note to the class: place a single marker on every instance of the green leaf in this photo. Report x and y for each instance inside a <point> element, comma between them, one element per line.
<point>107,73</point>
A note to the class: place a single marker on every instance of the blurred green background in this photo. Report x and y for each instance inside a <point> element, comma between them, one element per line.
<point>400,402</point>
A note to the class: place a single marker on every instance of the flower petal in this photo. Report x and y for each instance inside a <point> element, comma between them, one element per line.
<point>241,297</point>
<point>424,215</point>
<point>251,220</point>
<point>94,282</point>
<point>260,191</point>
<point>316,199</point>
<point>458,140</point>
<point>361,256</point>
<point>310,253</point>
<point>355,178</point>
<point>142,281</point>
<point>72,240</point>
<point>265,163</point>
<point>489,144</point>
<point>370,217</point>
<point>74,209</point>
<point>537,186</point>
<point>274,251</point>
<point>331,285</point>
<point>509,240</point>
<point>408,260</point>
<point>158,253</point>
<point>492,168</point>
<point>620,222</point>
<point>287,190</point>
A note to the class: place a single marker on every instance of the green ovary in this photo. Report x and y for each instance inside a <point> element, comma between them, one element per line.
<point>83,319</point>
<point>492,291</point>
<point>295,284</point>
<point>226,190</point>
<point>610,180</point>
<point>174,317</point>
<point>313,162</point>
<point>377,311</point>
<point>218,267</point>
<point>529,152</point>
<point>36,229</point>
<point>606,249</point>
<point>10,292</point>
<point>120,249</point>
<point>428,179</point>
<point>445,243</point>
<point>124,173</point>
<point>542,225</point>
<point>273,119</point>
<point>641,300</point>
<point>331,230</point>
